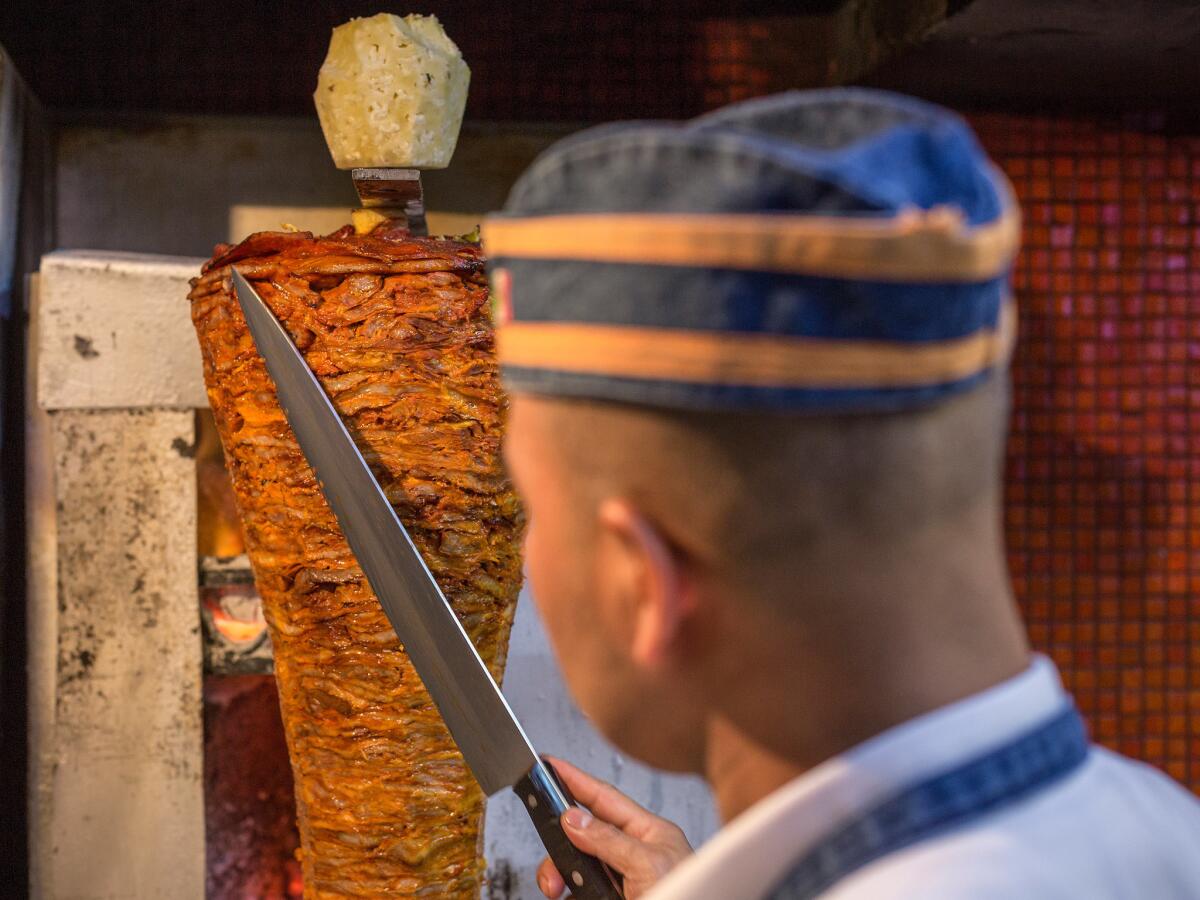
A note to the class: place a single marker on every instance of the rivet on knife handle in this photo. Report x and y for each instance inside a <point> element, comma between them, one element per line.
<point>546,798</point>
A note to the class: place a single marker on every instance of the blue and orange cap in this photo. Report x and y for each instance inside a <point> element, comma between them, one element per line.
<point>837,250</point>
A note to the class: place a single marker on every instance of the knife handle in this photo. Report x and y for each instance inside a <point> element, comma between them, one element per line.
<point>546,798</point>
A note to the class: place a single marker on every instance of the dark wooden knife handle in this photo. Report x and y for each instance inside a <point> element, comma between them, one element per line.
<point>546,798</point>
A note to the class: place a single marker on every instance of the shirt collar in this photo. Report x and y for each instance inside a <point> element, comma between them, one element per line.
<point>753,853</point>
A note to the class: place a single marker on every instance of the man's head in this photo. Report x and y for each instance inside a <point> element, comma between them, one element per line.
<point>667,548</point>
<point>757,366</point>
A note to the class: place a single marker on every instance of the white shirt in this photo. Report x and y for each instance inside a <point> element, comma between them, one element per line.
<point>1113,829</point>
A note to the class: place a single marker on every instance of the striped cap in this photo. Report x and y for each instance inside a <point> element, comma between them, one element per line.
<point>838,250</point>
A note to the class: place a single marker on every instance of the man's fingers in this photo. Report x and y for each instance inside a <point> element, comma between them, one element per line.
<point>601,798</point>
<point>605,842</point>
<point>640,845</point>
<point>549,881</point>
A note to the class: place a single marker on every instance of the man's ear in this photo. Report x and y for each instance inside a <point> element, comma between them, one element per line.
<point>644,577</point>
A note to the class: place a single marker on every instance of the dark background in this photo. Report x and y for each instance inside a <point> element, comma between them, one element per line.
<point>590,60</point>
<point>529,60</point>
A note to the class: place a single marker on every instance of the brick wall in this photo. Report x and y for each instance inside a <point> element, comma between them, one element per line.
<point>1103,490</point>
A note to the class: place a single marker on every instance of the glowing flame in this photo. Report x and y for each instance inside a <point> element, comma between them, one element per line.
<point>295,885</point>
<point>220,531</point>
<point>236,614</point>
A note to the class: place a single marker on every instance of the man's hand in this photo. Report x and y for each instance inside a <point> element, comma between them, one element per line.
<point>640,845</point>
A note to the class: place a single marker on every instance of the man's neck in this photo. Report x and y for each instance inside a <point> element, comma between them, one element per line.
<point>742,772</point>
<point>812,694</point>
<point>743,769</point>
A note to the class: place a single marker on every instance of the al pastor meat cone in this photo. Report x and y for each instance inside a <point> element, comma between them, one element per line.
<point>397,330</point>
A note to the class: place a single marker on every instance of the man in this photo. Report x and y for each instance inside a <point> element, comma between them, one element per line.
<point>758,366</point>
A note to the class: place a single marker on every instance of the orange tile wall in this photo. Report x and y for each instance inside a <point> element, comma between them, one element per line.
<point>1103,493</point>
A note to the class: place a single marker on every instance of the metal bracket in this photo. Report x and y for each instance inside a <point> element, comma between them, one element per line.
<point>394,192</point>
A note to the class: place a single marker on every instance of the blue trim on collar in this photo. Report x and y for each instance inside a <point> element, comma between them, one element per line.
<point>950,800</point>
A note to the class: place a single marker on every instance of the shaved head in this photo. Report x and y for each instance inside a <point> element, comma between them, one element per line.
<point>711,560</point>
<point>749,496</point>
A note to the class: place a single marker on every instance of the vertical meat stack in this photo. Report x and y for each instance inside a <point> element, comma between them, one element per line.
<point>397,330</point>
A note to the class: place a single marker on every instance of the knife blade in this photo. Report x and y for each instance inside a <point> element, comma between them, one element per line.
<point>479,718</point>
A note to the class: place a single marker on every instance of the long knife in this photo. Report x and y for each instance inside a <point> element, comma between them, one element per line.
<point>479,718</point>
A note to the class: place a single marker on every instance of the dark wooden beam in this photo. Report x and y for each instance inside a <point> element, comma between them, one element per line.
<point>1095,55</point>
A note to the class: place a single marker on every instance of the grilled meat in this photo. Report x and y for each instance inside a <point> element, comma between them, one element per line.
<point>397,330</point>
